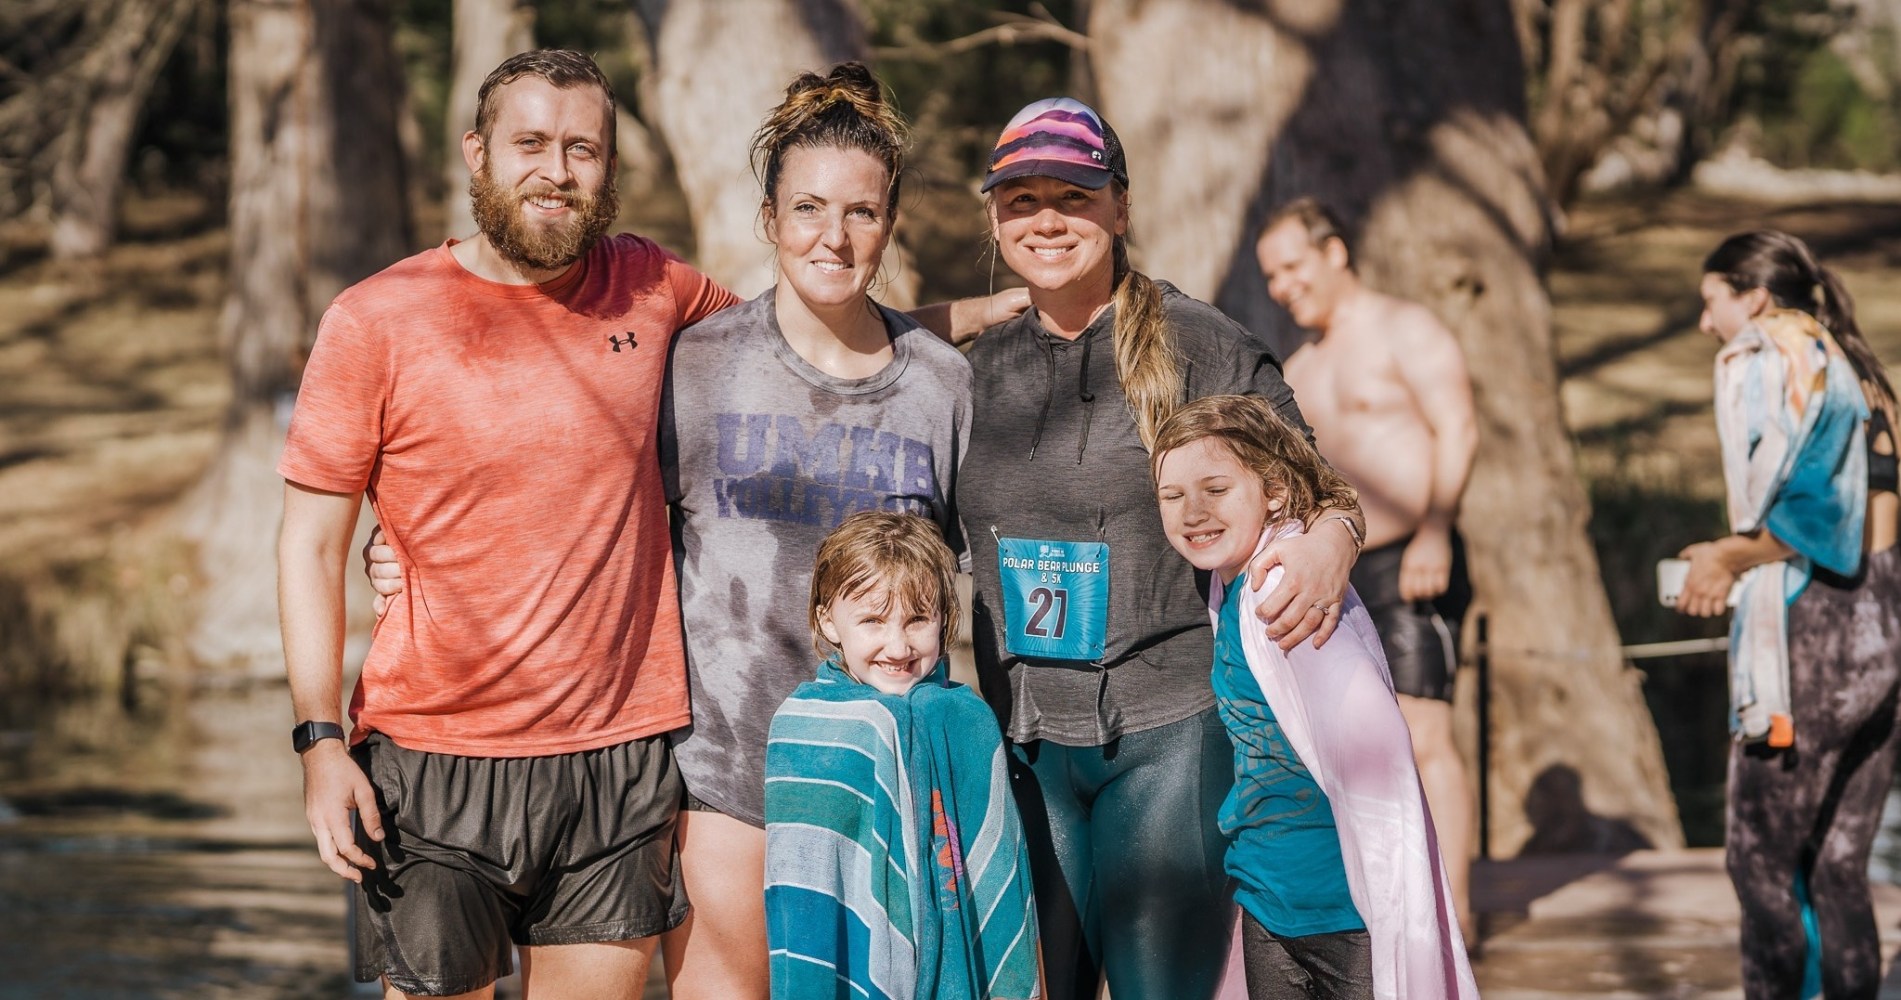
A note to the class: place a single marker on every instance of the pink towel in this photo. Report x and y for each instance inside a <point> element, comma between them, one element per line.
<point>1336,706</point>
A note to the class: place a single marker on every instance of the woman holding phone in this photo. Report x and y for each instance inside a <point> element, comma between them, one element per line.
<point>1806,417</point>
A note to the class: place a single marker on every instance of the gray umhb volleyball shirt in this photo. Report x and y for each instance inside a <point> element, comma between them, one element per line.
<point>764,455</point>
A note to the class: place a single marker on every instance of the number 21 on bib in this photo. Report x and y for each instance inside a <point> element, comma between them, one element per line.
<point>1055,597</point>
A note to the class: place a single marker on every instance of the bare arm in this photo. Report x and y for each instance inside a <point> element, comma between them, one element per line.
<point>1433,369</point>
<point>1307,601</point>
<point>1714,567</point>
<point>960,321</point>
<point>1317,563</point>
<point>312,550</point>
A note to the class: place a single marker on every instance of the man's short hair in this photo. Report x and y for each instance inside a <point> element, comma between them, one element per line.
<point>563,68</point>
<point>1318,220</point>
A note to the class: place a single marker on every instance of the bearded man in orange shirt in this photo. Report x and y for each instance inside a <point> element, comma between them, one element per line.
<point>496,399</point>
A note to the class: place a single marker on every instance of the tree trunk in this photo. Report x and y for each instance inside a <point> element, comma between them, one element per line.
<point>1712,61</point>
<point>124,60</point>
<point>359,190</point>
<point>1408,116</point>
<point>267,313</point>
<point>316,203</point>
<point>753,48</point>
<point>486,32</point>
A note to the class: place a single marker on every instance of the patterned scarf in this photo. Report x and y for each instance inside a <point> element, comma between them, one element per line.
<point>1789,413</point>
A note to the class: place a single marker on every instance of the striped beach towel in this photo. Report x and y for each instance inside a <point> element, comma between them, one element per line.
<point>895,864</point>
<point>1789,413</point>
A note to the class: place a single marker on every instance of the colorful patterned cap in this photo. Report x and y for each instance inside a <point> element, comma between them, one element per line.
<point>1062,138</point>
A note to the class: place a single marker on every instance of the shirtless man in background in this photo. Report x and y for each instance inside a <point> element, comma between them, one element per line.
<point>1384,385</point>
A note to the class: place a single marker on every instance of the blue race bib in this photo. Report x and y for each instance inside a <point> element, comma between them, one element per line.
<point>1055,597</point>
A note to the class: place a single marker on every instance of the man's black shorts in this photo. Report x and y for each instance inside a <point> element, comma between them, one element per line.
<point>479,852</point>
<point>1421,638</point>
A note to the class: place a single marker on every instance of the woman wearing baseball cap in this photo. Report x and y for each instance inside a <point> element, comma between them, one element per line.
<point>1092,639</point>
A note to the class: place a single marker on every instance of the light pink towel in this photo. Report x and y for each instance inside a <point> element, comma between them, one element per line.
<point>1336,706</point>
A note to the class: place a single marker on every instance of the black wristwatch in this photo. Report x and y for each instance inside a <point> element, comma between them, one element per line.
<point>305,735</point>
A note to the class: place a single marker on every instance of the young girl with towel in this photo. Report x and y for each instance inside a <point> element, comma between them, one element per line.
<point>1342,889</point>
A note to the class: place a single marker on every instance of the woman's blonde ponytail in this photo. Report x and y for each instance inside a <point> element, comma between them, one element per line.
<point>1151,374</point>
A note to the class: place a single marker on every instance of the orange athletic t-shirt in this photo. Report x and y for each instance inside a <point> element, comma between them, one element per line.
<point>505,435</point>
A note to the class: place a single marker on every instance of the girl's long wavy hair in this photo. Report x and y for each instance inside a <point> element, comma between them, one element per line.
<point>1285,461</point>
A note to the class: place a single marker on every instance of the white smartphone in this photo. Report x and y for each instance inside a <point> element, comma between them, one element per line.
<point>1670,576</point>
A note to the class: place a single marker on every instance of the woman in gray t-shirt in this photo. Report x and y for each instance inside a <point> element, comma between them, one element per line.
<point>1092,639</point>
<point>783,416</point>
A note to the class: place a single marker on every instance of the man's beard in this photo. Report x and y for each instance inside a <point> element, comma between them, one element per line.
<point>498,213</point>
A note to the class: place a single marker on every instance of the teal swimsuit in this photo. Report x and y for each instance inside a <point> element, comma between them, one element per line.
<point>1284,850</point>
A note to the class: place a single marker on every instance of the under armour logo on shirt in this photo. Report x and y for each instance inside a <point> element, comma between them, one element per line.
<point>616,341</point>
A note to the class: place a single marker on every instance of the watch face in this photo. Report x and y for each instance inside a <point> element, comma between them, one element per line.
<point>305,734</point>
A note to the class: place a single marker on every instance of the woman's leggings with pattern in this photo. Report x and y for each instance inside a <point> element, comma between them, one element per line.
<point>1127,860</point>
<point>1814,808</point>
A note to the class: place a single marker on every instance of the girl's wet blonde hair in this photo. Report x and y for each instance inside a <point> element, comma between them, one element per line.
<point>1289,468</point>
<point>904,553</point>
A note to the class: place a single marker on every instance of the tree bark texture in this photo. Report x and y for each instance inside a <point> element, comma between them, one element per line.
<point>267,314</point>
<point>486,32</point>
<point>316,203</point>
<point>753,48</point>
<point>1408,116</point>
<point>359,180</point>
<point>230,514</point>
<point>135,39</point>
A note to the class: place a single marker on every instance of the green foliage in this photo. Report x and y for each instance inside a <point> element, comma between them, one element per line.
<point>960,101</point>
<point>1805,98</point>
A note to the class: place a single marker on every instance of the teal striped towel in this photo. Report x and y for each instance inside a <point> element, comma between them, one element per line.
<point>895,864</point>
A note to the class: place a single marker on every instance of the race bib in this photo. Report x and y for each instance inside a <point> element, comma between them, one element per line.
<point>1055,597</point>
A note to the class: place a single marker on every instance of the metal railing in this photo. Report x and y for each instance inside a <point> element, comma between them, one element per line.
<point>1482,662</point>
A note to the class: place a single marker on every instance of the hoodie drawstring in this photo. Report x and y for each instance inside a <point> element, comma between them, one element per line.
<point>1088,398</point>
<point>1049,390</point>
<point>1083,393</point>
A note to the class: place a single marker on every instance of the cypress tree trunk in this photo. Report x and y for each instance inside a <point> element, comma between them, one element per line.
<point>137,39</point>
<point>317,202</point>
<point>753,48</point>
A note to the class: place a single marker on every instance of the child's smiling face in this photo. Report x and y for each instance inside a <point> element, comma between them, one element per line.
<point>883,643</point>
<point>1213,507</point>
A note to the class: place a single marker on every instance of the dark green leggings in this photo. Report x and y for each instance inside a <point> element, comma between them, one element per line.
<point>1127,858</point>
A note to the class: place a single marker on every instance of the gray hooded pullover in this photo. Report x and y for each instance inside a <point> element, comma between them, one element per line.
<point>1054,455</point>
